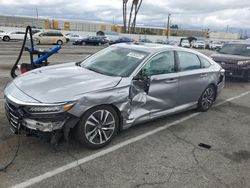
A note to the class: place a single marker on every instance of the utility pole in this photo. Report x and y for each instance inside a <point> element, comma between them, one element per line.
<point>36,18</point>
<point>168,26</point>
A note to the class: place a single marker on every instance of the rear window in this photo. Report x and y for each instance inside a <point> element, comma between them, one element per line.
<point>188,61</point>
<point>236,49</point>
<point>204,62</point>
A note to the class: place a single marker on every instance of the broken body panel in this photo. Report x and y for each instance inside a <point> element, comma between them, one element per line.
<point>135,98</point>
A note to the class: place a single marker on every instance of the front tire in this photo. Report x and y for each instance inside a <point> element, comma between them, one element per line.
<point>6,38</point>
<point>207,99</point>
<point>98,127</point>
<point>59,42</point>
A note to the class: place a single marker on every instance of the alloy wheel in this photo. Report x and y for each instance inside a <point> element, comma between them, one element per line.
<point>207,98</point>
<point>99,127</point>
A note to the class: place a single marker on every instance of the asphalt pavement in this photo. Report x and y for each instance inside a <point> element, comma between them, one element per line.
<point>161,153</point>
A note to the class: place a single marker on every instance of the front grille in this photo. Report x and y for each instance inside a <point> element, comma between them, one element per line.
<point>12,115</point>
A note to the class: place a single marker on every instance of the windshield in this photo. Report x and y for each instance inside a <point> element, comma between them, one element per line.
<point>115,61</point>
<point>236,49</point>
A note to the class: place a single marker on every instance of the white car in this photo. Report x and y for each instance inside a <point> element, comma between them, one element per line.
<point>199,44</point>
<point>215,45</point>
<point>185,43</point>
<point>73,37</point>
<point>14,35</point>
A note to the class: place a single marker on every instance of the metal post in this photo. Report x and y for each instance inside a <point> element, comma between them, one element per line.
<point>36,18</point>
<point>168,26</point>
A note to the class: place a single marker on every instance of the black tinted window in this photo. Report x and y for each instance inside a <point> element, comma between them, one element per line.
<point>54,34</point>
<point>43,34</point>
<point>188,61</point>
<point>162,63</point>
<point>236,49</point>
<point>204,62</point>
<point>59,34</point>
<point>49,34</point>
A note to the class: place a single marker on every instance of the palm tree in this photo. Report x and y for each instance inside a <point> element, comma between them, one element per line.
<point>134,9</point>
<point>124,11</point>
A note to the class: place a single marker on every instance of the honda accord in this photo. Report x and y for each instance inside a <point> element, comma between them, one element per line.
<point>119,86</point>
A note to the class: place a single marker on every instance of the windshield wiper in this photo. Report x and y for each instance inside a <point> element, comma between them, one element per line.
<point>95,70</point>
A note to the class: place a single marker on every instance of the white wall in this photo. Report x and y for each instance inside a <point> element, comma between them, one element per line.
<point>218,36</point>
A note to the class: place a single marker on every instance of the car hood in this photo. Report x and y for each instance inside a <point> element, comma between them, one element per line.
<point>2,34</point>
<point>228,58</point>
<point>60,83</point>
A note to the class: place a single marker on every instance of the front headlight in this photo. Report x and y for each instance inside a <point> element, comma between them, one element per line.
<point>242,63</point>
<point>51,109</point>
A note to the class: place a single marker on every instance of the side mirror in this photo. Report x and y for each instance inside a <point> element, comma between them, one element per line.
<point>142,81</point>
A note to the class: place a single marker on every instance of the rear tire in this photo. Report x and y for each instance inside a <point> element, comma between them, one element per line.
<point>97,127</point>
<point>207,98</point>
<point>6,38</point>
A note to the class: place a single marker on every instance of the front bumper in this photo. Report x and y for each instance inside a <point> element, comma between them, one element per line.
<point>235,73</point>
<point>199,46</point>
<point>49,126</point>
<point>234,70</point>
<point>19,118</point>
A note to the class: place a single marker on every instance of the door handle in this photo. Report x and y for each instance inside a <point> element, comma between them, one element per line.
<point>203,75</point>
<point>172,80</point>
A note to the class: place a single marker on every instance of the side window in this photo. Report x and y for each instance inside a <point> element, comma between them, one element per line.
<point>188,61</point>
<point>204,62</point>
<point>49,34</point>
<point>162,63</point>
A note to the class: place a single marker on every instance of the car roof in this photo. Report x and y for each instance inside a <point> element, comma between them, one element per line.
<point>152,47</point>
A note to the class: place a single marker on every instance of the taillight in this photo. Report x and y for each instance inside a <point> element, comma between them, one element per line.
<point>222,72</point>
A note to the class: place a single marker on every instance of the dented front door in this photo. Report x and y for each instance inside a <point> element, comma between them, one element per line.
<point>157,90</point>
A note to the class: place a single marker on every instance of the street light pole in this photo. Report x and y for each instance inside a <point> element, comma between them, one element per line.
<point>36,18</point>
<point>168,25</point>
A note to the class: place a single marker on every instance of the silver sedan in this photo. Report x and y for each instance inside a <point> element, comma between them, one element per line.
<point>119,86</point>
